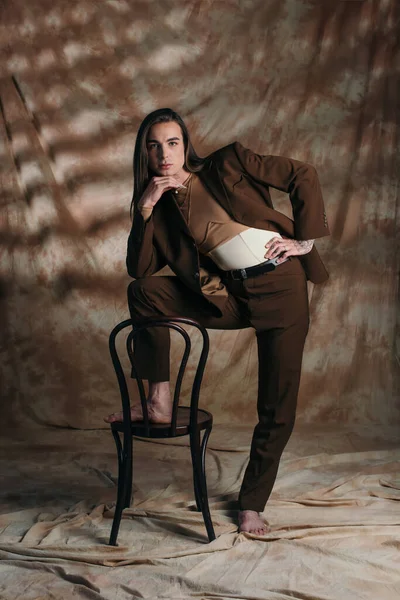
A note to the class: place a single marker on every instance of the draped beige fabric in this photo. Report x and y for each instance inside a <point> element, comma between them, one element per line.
<point>316,81</point>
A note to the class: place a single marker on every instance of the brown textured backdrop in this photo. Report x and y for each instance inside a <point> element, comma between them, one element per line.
<point>317,81</point>
<point>312,79</point>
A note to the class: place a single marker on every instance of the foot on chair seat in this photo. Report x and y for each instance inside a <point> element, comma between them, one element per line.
<point>250,521</point>
<point>156,415</point>
<point>159,405</point>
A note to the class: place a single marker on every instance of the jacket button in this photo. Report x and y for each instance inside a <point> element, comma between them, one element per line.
<point>196,275</point>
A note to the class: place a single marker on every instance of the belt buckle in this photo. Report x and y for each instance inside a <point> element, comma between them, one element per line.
<point>243,274</point>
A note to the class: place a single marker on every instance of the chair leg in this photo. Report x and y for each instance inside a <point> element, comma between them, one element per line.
<point>203,485</point>
<point>203,456</point>
<point>200,484</point>
<point>124,470</point>
<point>129,468</point>
<point>196,480</point>
<point>118,444</point>
<point>194,447</point>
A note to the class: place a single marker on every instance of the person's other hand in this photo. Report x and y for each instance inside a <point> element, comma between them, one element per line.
<point>155,189</point>
<point>284,247</point>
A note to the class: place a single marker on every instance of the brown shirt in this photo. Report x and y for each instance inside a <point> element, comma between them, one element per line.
<point>209,223</point>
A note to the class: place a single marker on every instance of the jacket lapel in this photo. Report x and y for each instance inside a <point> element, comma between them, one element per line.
<point>172,233</point>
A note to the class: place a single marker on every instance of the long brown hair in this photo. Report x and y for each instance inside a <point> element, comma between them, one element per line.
<point>193,162</point>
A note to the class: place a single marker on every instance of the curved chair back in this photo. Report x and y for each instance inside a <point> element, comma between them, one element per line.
<point>174,323</point>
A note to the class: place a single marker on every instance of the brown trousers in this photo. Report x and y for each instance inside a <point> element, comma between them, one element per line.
<point>276,305</point>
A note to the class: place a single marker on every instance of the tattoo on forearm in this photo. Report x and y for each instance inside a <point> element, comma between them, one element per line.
<point>304,245</point>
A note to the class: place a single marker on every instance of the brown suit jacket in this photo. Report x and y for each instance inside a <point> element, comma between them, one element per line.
<point>239,180</point>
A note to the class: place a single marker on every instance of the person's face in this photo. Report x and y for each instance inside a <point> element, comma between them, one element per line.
<point>166,151</point>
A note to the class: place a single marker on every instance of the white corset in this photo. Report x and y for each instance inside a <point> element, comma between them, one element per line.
<point>246,249</point>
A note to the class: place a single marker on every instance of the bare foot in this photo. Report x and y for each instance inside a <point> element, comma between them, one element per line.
<point>155,415</point>
<point>251,522</point>
<point>117,417</point>
<point>159,406</point>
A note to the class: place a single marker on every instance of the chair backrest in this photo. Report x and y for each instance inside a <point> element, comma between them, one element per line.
<point>174,323</point>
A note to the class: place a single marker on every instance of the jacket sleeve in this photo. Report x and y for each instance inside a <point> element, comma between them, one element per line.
<point>299,180</point>
<point>143,257</point>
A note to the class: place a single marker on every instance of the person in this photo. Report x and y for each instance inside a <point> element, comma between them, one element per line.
<point>238,263</point>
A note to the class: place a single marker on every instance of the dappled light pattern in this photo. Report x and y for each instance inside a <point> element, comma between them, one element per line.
<point>317,81</point>
<point>314,81</point>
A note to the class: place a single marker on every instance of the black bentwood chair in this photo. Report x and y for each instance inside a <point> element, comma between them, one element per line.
<point>186,420</point>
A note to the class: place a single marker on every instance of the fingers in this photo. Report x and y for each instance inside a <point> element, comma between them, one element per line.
<point>285,247</point>
<point>276,247</point>
<point>284,257</point>
<point>156,188</point>
<point>167,181</point>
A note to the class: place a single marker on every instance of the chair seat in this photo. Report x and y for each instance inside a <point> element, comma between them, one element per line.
<point>162,430</point>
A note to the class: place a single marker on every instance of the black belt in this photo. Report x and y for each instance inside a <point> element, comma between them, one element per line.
<point>268,265</point>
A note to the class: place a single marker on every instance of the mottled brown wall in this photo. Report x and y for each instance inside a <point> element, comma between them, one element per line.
<point>317,81</point>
